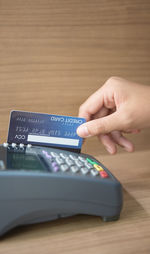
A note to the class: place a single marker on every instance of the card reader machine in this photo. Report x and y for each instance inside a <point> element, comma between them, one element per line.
<point>41,184</point>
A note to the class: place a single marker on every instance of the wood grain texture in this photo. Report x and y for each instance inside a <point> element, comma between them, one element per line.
<point>53,55</point>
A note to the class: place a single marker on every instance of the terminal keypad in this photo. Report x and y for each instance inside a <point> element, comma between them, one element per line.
<point>76,164</point>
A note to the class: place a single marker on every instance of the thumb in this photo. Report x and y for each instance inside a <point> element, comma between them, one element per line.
<point>100,126</point>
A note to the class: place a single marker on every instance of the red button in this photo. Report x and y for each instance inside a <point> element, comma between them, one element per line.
<point>103,174</point>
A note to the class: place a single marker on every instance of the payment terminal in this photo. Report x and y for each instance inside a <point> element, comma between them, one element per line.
<point>40,183</point>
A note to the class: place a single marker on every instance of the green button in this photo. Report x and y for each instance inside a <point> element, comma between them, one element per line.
<point>91,162</point>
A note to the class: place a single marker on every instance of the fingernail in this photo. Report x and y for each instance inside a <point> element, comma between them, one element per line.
<point>129,148</point>
<point>83,131</point>
<point>110,150</point>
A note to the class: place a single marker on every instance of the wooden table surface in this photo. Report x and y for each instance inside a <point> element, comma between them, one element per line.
<point>53,55</point>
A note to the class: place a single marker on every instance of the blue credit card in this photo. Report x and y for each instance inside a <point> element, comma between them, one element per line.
<point>45,130</point>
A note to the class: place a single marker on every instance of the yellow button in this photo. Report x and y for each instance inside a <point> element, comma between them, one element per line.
<point>99,168</point>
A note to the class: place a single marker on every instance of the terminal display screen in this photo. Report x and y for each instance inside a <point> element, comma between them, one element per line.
<point>23,161</point>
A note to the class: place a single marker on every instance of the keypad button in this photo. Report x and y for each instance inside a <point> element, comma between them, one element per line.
<point>74,169</point>
<point>88,165</point>
<point>94,172</point>
<point>81,159</point>
<point>56,168</point>
<point>48,156</point>
<point>84,170</point>
<point>5,144</point>
<point>54,154</point>
<point>54,164</point>
<point>13,145</point>
<point>59,160</point>
<point>69,162</point>
<point>103,174</point>
<point>29,145</point>
<point>21,145</point>
<point>64,167</point>
<point>79,163</point>
<point>63,155</point>
<point>91,161</point>
<point>72,157</point>
<point>44,152</point>
<point>98,167</point>
<point>67,158</point>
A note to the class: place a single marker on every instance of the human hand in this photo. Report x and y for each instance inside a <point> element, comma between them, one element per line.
<point>119,106</point>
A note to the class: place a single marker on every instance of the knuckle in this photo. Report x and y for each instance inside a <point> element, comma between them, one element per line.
<point>96,128</point>
<point>114,80</point>
<point>92,129</point>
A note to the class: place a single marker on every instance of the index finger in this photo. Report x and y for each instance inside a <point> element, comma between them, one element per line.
<point>92,105</point>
